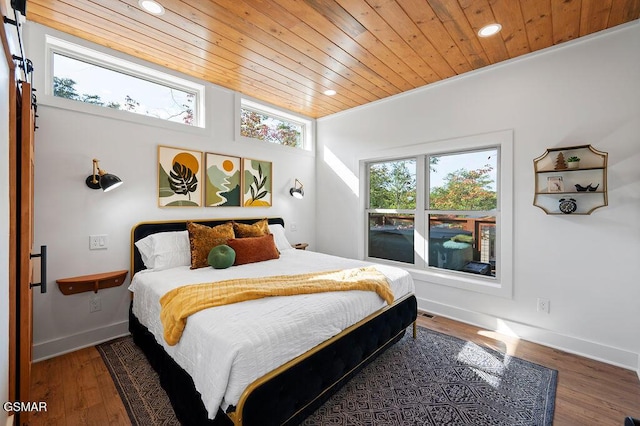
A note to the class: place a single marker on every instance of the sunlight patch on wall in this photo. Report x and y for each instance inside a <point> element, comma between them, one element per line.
<point>503,328</point>
<point>342,171</point>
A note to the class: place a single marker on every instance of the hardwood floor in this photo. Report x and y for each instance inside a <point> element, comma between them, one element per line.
<point>79,391</point>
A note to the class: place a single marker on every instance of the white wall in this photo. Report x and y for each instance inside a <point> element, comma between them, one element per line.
<point>67,211</point>
<point>584,92</point>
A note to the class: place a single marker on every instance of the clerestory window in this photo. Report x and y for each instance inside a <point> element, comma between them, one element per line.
<point>84,75</point>
<point>264,123</point>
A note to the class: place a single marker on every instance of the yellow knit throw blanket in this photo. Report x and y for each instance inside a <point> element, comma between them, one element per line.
<point>183,301</point>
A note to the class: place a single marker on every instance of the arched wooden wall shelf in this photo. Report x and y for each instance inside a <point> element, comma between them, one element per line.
<point>571,187</point>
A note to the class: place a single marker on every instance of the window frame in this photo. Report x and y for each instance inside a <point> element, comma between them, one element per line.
<point>502,283</point>
<point>54,45</point>
<point>308,124</point>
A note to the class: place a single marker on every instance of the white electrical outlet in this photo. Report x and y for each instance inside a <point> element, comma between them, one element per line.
<point>98,242</point>
<point>95,304</point>
<point>544,305</point>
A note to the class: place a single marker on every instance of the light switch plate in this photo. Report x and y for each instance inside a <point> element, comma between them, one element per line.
<point>98,242</point>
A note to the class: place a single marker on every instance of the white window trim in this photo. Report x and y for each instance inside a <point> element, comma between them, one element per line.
<point>56,45</point>
<point>502,284</point>
<point>308,125</point>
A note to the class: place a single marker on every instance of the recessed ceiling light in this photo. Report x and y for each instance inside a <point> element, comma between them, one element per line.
<point>152,7</point>
<point>330,92</point>
<point>489,30</point>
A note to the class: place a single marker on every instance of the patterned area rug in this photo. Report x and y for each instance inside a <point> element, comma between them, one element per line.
<point>434,380</point>
<point>138,384</point>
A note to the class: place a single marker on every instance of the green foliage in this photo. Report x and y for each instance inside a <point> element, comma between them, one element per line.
<point>91,99</point>
<point>64,88</point>
<point>130,104</point>
<point>465,190</point>
<point>433,161</point>
<point>392,186</point>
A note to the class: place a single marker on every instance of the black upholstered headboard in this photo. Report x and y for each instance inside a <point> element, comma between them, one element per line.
<point>144,229</point>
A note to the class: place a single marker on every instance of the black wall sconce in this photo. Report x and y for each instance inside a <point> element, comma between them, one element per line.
<point>102,179</point>
<point>297,191</point>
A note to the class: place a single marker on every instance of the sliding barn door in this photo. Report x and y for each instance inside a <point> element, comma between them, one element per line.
<point>25,243</point>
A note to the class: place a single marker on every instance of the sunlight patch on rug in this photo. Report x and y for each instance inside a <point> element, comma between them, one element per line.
<point>488,366</point>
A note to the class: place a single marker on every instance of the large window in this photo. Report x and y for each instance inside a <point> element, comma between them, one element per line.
<point>441,212</point>
<point>261,122</point>
<point>91,77</point>
<point>462,201</point>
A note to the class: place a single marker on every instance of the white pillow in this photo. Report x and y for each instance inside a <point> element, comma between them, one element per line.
<point>279,238</point>
<point>165,250</point>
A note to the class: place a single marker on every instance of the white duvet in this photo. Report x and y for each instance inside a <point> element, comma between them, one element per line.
<point>226,348</point>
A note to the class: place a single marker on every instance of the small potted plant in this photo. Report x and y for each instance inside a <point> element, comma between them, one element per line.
<point>573,162</point>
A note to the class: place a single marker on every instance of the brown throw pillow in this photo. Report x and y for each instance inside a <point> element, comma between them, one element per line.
<point>256,229</point>
<point>203,238</point>
<point>254,249</point>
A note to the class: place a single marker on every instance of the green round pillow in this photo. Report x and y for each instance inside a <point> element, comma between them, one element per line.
<point>221,257</point>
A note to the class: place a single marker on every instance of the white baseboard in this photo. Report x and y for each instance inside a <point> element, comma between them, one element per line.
<point>63,345</point>
<point>593,350</point>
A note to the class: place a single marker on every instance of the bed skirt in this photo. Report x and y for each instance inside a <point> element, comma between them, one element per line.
<point>292,394</point>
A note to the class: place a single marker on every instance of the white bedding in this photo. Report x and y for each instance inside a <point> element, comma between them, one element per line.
<point>226,348</point>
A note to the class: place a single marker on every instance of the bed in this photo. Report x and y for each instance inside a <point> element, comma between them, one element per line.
<point>260,362</point>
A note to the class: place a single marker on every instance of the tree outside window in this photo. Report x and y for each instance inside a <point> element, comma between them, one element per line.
<point>393,185</point>
<point>89,83</point>
<point>392,203</point>
<point>257,125</point>
<point>460,217</point>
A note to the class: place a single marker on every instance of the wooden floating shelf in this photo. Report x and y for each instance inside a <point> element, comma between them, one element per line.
<point>93,282</point>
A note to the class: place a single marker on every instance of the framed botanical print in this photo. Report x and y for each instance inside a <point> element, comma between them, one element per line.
<point>222,180</point>
<point>179,177</point>
<point>257,183</point>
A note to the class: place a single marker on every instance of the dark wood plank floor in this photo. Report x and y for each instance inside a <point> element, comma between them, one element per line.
<point>79,391</point>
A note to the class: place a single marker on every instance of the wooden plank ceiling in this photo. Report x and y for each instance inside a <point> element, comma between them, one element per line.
<point>289,52</point>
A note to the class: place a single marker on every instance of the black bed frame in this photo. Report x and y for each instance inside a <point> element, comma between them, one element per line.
<point>289,394</point>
